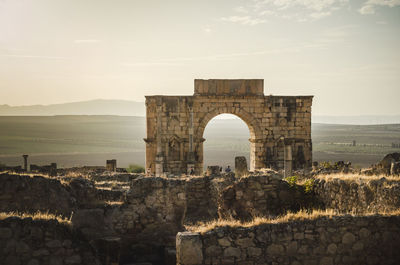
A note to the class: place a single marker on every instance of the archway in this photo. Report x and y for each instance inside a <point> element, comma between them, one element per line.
<point>175,125</point>
<point>226,136</point>
<point>256,134</point>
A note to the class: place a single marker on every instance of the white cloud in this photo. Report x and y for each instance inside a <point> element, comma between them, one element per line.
<point>241,9</point>
<point>318,15</point>
<point>316,5</point>
<point>244,20</point>
<point>367,10</point>
<point>207,29</point>
<point>368,7</point>
<point>299,10</point>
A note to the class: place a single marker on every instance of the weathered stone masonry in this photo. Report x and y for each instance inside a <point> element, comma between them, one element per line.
<point>322,241</point>
<point>280,126</point>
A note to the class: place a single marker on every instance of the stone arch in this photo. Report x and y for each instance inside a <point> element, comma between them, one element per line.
<point>251,122</point>
<point>176,124</point>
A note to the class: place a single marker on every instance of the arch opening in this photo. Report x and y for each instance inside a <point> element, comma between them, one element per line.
<point>226,136</point>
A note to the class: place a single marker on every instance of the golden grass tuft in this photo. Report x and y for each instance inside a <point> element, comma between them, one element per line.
<point>355,177</point>
<point>37,216</point>
<point>290,217</point>
<point>111,203</point>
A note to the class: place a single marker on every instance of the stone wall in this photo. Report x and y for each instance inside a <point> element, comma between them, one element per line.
<point>262,195</point>
<point>322,241</point>
<point>24,193</point>
<point>156,208</point>
<point>358,195</point>
<point>37,242</point>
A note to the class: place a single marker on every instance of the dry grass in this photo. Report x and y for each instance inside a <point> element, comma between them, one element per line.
<point>36,216</point>
<point>111,203</point>
<point>290,217</point>
<point>355,177</point>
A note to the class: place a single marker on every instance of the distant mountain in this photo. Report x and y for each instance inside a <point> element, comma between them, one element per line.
<point>133,108</point>
<point>92,107</point>
<point>357,120</point>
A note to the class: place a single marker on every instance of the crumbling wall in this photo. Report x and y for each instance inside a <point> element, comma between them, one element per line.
<point>34,242</point>
<point>24,193</point>
<point>358,196</point>
<point>156,208</point>
<point>340,240</point>
<point>262,195</point>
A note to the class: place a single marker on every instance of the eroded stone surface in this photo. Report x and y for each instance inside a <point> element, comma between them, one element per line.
<point>175,125</point>
<point>380,246</point>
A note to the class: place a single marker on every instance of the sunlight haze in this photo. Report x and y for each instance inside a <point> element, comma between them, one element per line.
<point>345,53</point>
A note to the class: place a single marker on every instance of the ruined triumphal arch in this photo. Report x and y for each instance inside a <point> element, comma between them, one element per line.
<point>280,126</point>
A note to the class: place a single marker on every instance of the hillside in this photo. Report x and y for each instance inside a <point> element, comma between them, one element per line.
<point>92,107</point>
<point>90,140</point>
<point>133,108</point>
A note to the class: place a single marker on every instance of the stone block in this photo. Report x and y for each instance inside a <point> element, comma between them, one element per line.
<point>232,252</point>
<point>189,248</point>
<point>240,166</point>
<point>348,238</point>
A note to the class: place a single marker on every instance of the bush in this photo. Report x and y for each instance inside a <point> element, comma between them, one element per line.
<point>308,185</point>
<point>135,169</point>
<point>327,165</point>
<point>291,180</point>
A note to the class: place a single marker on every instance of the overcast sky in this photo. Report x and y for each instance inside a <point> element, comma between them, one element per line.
<point>344,52</point>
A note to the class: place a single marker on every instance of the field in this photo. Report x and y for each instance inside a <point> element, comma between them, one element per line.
<point>90,140</point>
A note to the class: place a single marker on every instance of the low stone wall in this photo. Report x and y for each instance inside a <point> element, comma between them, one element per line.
<point>34,242</point>
<point>358,195</point>
<point>261,195</point>
<point>323,241</point>
<point>24,193</point>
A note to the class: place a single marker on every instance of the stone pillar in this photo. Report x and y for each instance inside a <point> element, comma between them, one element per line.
<point>288,160</point>
<point>315,165</point>
<point>213,170</point>
<point>395,168</point>
<point>159,161</point>
<point>25,162</point>
<point>189,249</point>
<point>111,165</point>
<point>240,166</point>
<point>190,159</point>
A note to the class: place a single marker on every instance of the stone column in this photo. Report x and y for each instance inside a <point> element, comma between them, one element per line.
<point>111,165</point>
<point>288,162</point>
<point>240,166</point>
<point>159,157</point>
<point>190,159</point>
<point>25,162</point>
<point>189,249</point>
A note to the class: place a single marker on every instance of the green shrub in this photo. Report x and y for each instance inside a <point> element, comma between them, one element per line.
<point>308,185</point>
<point>135,169</point>
<point>327,165</point>
<point>291,180</point>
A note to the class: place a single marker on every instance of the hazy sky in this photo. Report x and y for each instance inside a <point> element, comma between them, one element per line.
<point>344,52</point>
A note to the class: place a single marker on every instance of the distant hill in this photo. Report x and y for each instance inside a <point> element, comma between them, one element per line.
<point>92,107</point>
<point>133,108</point>
<point>357,120</point>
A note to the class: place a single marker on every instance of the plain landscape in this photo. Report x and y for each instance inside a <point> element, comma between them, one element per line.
<point>79,140</point>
